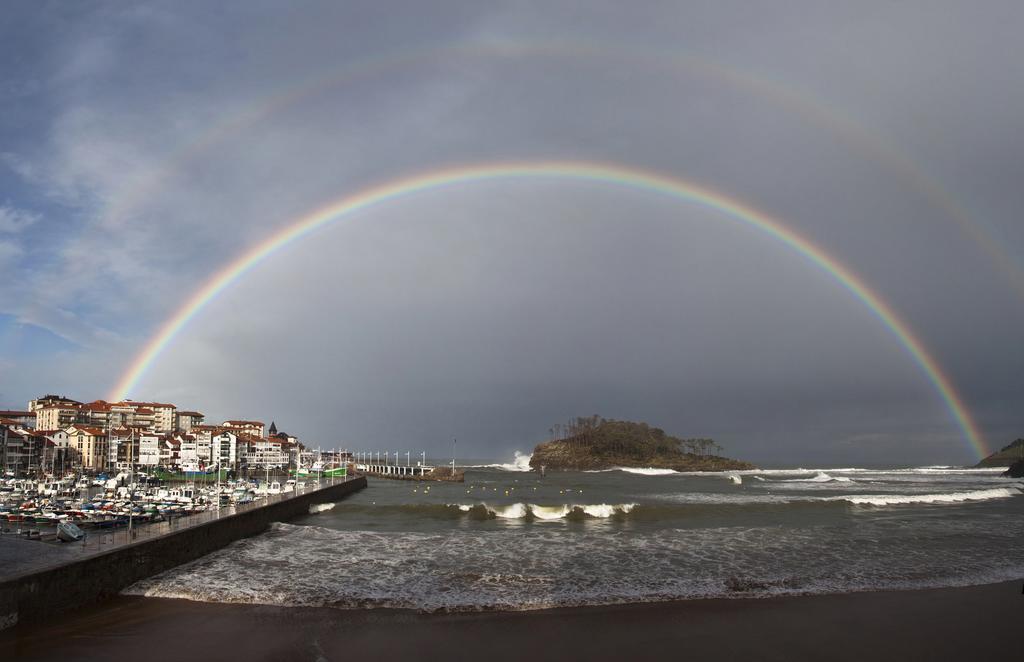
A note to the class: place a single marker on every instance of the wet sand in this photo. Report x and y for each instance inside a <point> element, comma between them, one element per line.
<point>978,622</point>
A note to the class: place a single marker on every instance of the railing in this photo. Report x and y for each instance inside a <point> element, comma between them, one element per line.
<point>99,540</point>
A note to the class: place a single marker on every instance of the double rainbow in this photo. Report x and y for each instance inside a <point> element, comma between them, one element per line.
<point>603,173</point>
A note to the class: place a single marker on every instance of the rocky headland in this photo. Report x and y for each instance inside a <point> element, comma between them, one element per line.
<point>589,444</point>
<point>1006,456</point>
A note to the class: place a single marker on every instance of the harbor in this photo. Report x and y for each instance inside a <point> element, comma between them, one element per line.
<point>42,577</point>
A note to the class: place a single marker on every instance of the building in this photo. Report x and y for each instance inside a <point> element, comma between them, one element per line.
<point>224,447</point>
<point>255,428</point>
<point>186,420</point>
<point>149,449</point>
<point>21,449</point>
<point>260,453</point>
<point>58,459</point>
<point>52,401</point>
<point>25,419</point>
<point>56,417</point>
<point>91,445</point>
<point>170,455</point>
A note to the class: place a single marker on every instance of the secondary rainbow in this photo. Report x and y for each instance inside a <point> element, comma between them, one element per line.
<point>613,174</point>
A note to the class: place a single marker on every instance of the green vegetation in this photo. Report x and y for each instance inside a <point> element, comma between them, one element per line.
<point>597,443</point>
<point>1006,456</point>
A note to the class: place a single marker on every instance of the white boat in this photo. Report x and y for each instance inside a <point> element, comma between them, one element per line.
<point>68,532</point>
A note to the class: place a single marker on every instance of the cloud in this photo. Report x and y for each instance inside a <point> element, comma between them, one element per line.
<point>8,251</point>
<point>14,220</point>
<point>153,154</point>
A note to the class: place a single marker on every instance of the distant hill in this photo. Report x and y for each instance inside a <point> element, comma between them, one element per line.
<point>594,443</point>
<point>1005,457</point>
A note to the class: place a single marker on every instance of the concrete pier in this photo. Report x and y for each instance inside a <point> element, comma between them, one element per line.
<point>75,578</point>
<point>405,472</point>
<point>395,470</point>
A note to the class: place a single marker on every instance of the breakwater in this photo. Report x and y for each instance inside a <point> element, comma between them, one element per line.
<point>38,593</point>
<point>400,472</point>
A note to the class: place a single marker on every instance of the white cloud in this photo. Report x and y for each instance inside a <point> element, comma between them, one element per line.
<point>13,219</point>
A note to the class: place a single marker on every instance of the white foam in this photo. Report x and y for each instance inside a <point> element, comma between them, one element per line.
<point>649,471</point>
<point>548,566</point>
<point>549,512</point>
<point>320,507</point>
<point>540,512</point>
<point>513,511</point>
<point>949,497</point>
<point>737,479</point>
<point>822,477</point>
<point>604,510</point>
<point>520,462</point>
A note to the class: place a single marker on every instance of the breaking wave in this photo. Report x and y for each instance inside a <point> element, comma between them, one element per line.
<point>531,511</point>
<point>320,507</point>
<point>753,499</point>
<point>520,462</point>
<point>949,497</point>
<point>543,567</point>
<point>649,471</point>
<point>822,477</point>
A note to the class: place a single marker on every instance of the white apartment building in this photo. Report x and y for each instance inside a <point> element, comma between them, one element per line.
<point>255,428</point>
<point>56,417</point>
<point>225,449</point>
<point>149,450</point>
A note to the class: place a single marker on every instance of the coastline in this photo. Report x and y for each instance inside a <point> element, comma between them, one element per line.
<point>935,624</point>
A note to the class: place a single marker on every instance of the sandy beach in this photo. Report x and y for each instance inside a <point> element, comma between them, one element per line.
<point>977,622</point>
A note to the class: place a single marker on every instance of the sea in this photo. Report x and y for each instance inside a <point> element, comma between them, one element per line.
<point>510,539</point>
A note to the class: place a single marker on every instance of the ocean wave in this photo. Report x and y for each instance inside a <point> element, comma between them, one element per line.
<point>905,498</point>
<point>550,567</point>
<point>821,477</point>
<point>649,471</point>
<point>320,507</point>
<point>532,511</point>
<point>520,462</point>
<point>948,497</point>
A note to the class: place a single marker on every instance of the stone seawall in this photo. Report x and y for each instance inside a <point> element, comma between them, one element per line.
<point>36,595</point>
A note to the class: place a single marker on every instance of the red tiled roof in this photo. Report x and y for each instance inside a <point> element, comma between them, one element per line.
<point>88,429</point>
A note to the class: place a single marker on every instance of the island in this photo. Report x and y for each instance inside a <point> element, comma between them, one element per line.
<point>1004,457</point>
<point>595,443</point>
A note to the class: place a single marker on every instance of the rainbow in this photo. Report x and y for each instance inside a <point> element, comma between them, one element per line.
<point>603,173</point>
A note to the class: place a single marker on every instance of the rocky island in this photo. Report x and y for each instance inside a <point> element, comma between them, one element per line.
<point>594,443</point>
<point>1006,456</point>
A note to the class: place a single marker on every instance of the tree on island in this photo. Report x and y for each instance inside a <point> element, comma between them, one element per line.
<point>593,442</point>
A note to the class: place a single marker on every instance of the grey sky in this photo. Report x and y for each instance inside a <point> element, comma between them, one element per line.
<point>145,146</point>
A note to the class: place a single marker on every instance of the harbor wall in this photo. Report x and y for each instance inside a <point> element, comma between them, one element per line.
<point>34,596</point>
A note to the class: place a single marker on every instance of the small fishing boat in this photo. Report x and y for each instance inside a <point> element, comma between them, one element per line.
<point>69,532</point>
